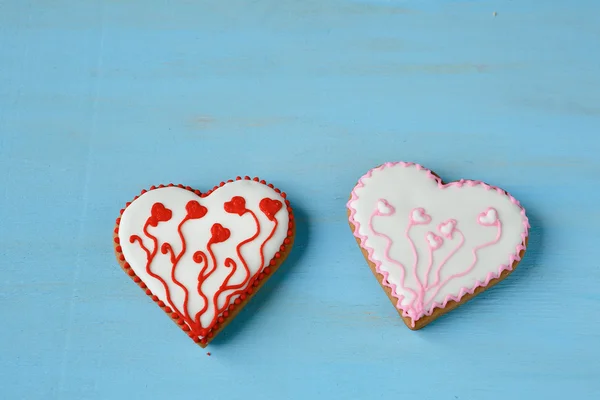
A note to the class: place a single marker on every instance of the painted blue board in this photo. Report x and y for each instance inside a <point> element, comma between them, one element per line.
<point>99,99</point>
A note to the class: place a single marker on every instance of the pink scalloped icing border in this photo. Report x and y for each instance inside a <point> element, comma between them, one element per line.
<point>463,291</point>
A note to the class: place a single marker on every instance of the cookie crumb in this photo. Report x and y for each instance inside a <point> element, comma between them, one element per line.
<point>495,13</point>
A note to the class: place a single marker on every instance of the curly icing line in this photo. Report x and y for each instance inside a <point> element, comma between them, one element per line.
<point>388,258</point>
<point>470,268</point>
<point>424,288</point>
<point>406,312</point>
<point>415,255</point>
<point>150,259</point>
<point>445,260</point>
<point>370,251</point>
<point>175,262</point>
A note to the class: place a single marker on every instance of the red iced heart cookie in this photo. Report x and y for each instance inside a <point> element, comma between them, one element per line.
<point>202,256</point>
<point>434,246</point>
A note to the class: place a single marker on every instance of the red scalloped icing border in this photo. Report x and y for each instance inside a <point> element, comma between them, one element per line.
<point>490,276</point>
<point>254,282</point>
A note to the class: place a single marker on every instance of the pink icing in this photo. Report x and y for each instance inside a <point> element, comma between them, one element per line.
<point>475,250</point>
<point>434,242</point>
<point>378,212</point>
<point>416,312</point>
<point>445,260</point>
<point>384,208</point>
<point>489,217</point>
<point>411,223</point>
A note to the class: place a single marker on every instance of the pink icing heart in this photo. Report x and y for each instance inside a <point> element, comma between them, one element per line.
<point>384,208</point>
<point>489,217</point>
<point>447,228</point>
<point>433,240</point>
<point>418,216</point>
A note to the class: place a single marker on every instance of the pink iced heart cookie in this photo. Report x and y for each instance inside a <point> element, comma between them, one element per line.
<point>437,245</point>
<point>201,256</point>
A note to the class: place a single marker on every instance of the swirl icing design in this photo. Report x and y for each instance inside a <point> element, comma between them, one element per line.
<point>199,254</point>
<point>433,242</point>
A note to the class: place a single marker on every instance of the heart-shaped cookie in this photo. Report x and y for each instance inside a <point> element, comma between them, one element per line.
<point>201,256</point>
<point>434,246</point>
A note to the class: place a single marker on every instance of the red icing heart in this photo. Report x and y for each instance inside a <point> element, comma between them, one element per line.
<point>159,213</point>
<point>237,205</point>
<point>270,207</point>
<point>195,210</point>
<point>219,233</point>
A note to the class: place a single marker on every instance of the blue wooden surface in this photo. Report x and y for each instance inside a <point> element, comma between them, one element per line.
<point>99,99</point>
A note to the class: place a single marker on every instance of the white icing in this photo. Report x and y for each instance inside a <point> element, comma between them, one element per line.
<point>408,189</point>
<point>197,234</point>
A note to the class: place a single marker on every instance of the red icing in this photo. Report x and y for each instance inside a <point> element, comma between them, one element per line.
<point>219,233</point>
<point>270,207</point>
<point>166,248</point>
<point>195,210</point>
<point>159,214</point>
<point>199,257</point>
<point>237,205</point>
